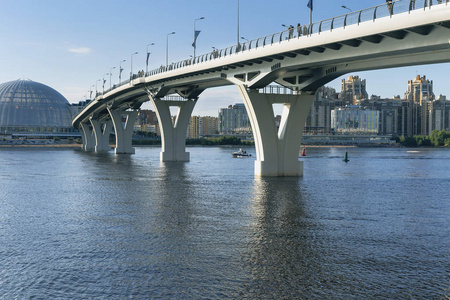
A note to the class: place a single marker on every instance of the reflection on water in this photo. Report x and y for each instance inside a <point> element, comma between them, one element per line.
<point>86,225</point>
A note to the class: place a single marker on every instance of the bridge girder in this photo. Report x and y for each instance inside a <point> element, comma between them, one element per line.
<point>304,68</point>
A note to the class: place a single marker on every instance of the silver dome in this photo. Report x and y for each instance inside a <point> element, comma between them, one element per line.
<point>29,106</point>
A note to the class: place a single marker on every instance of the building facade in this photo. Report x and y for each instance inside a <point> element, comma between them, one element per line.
<point>353,90</point>
<point>355,119</point>
<point>234,120</point>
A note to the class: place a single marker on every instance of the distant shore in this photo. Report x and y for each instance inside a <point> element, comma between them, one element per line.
<point>41,146</point>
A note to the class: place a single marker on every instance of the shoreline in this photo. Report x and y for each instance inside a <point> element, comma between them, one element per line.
<point>41,146</point>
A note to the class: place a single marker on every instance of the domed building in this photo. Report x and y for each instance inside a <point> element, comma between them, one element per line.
<point>29,108</point>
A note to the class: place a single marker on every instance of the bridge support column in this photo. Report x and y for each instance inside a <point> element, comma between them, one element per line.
<point>124,133</point>
<point>173,134</point>
<point>88,137</point>
<point>277,152</point>
<point>102,130</point>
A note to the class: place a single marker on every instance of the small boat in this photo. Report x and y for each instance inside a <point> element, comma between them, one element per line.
<point>241,153</point>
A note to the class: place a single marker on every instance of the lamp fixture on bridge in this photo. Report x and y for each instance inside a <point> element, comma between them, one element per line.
<point>96,90</point>
<point>120,70</point>
<point>195,35</point>
<point>110,73</point>
<point>167,48</point>
<point>351,16</point>
<point>148,55</point>
<point>103,85</point>
<point>90,92</point>
<point>343,6</point>
<point>131,72</point>
<point>243,38</point>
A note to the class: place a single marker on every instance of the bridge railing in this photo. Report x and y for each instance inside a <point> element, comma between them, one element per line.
<point>304,31</point>
<point>277,89</point>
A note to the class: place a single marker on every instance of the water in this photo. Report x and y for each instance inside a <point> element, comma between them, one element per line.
<point>83,225</point>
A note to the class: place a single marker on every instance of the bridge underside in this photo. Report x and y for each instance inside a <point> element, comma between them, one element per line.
<point>301,64</point>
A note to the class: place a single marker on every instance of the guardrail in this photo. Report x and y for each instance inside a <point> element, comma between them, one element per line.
<point>277,89</point>
<point>342,21</point>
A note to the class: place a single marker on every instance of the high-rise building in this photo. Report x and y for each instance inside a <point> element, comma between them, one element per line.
<point>439,115</point>
<point>319,117</point>
<point>420,89</point>
<point>147,116</point>
<point>419,94</point>
<point>354,119</point>
<point>202,126</point>
<point>392,119</point>
<point>193,129</point>
<point>353,90</point>
<point>209,125</point>
<point>234,120</point>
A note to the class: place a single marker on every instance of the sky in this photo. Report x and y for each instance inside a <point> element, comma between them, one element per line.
<point>71,45</point>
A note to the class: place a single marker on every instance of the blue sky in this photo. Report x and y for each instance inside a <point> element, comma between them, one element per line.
<point>70,45</point>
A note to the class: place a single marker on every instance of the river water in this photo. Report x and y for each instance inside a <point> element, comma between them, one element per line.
<point>85,225</point>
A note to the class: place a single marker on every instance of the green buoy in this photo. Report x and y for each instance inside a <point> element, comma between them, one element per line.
<point>346,157</point>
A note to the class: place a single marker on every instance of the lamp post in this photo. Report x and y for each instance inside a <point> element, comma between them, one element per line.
<point>96,90</point>
<point>120,70</point>
<point>148,55</point>
<point>243,38</point>
<point>351,17</point>
<point>131,72</point>
<point>167,48</point>
<point>195,34</point>
<point>110,73</point>
<point>238,22</point>
<point>90,91</point>
<point>104,81</point>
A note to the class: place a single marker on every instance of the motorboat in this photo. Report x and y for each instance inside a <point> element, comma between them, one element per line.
<point>241,153</point>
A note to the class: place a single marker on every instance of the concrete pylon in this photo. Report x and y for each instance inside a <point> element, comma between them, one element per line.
<point>173,134</point>
<point>88,137</point>
<point>124,133</point>
<point>102,130</point>
<point>277,152</point>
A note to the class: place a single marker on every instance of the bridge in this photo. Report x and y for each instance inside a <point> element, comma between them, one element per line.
<point>396,34</point>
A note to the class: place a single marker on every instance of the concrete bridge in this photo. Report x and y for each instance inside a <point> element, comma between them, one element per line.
<point>403,33</point>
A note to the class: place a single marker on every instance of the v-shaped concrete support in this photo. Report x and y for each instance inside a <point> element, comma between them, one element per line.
<point>173,134</point>
<point>124,134</point>
<point>277,152</point>
<point>102,130</point>
<point>88,137</point>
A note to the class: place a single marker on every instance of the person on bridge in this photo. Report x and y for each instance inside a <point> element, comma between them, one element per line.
<point>389,4</point>
<point>291,31</point>
<point>305,30</point>
<point>299,29</point>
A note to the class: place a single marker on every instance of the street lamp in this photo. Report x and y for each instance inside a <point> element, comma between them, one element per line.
<point>110,73</point>
<point>90,91</point>
<point>96,90</point>
<point>131,72</point>
<point>351,16</point>
<point>120,70</point>
<point>238,22</point>
<point>195,34</point>
<point>243,38</point>
<point>148,55</point>
<point>343,6</point>
<point>104,81</point>
<point>167,48</point>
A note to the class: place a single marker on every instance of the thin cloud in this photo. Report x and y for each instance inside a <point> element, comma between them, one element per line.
<point>80,50</point>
